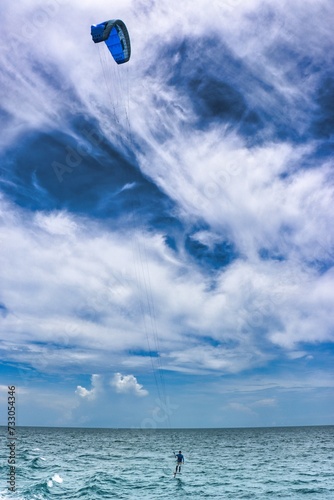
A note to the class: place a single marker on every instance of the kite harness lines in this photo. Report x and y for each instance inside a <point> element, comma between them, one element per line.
<point>116,37</point>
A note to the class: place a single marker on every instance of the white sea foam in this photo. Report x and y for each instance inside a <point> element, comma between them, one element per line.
<point>57,478</point>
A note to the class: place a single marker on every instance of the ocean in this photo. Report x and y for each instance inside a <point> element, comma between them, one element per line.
<point>254,463</point>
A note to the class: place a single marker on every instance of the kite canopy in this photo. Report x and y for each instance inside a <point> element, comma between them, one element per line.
<point>115,34</point>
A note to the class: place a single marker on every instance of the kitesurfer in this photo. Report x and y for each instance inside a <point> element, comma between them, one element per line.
<point>179,460</point>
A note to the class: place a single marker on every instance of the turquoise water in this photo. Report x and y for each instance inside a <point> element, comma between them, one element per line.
<point>93,464</point>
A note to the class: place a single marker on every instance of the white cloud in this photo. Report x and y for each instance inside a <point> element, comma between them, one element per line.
<point>56,223</point>
<point>127,384</point>
<point>80,293</point>
<point>265,402</point>
<point>72,284</point>
<point>240,407</point>
<point>90,394</point>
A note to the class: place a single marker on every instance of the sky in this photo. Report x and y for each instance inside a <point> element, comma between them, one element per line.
<point>167,236</point>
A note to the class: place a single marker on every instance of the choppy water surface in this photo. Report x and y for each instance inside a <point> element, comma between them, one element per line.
<point>138,464</point>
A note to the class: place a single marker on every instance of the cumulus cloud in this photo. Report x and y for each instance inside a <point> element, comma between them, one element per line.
<point>127,384</point>
<point>90,394</point>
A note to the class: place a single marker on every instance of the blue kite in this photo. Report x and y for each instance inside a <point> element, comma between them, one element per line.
<point>116,36</point>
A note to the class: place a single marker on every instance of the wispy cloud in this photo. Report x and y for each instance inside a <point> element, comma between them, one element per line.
<point>265,402</point>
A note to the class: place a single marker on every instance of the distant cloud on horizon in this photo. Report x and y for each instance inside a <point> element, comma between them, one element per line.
<point>127,384</point>
<point>90,394</point>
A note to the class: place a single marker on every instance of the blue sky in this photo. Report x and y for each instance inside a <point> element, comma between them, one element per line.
<point>167,224</point>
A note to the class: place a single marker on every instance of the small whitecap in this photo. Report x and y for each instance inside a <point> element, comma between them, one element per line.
<point>57,478</point>
<point>42,458</point>
<point>49,483</point>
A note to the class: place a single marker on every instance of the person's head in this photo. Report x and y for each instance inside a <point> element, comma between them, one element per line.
<point>180,451</point>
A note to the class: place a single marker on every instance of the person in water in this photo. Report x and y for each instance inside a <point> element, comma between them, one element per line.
<point>179,460</point>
